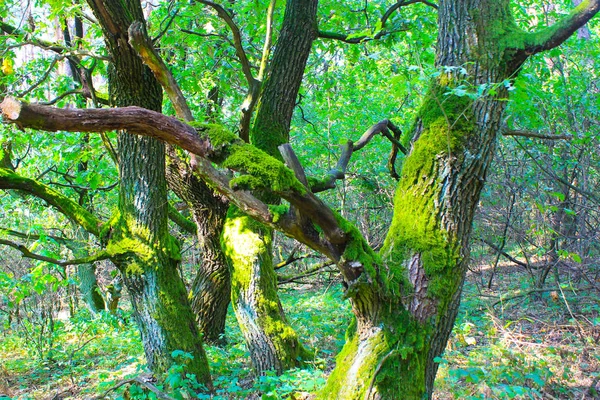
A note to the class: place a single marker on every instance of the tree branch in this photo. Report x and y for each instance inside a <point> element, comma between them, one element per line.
<point>139,120</point>
<point>505,254</point>
<point>556,34</point>
<point>532,134</point>
<point>237,39</point>
<point>268,38</point>
<point>181,221</point>
<point>102,255</point>
<point>346,38</point>
<point>339,172</point>
<point>149,123</point>
<point>88,221</point>
<point>138,39</point>
<point>31,236</point>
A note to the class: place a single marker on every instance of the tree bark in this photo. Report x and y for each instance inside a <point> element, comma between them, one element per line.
<point>138,240</point>
<point>272,342</point>
<point>403,325</point>
<point>405,298</point>
<point>210,293</point>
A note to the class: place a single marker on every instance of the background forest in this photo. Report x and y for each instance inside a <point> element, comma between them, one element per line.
<point>528,326</point>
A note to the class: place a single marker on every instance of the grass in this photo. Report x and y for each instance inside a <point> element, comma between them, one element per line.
<point>540,346</point>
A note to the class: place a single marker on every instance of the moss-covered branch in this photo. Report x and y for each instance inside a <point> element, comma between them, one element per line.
<point>88,221</point>
<point>554,35</point>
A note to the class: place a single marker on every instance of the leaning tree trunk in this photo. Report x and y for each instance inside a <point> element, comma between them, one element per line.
<point>211,289</point>
<point>138,239</point>
<point>272,342</point>
<point>403,321</point>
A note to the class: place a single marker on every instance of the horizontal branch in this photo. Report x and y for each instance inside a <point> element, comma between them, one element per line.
<point>25,252</point>
<point>537,135</point>
<point>33,236</point>
<point>255,166</point>
<point>136,119</point>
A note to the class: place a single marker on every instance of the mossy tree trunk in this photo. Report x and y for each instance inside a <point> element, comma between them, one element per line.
<point>210,293</point>
<point>406,297</point>
<point>139,240</point>
<point>272,342</point>
<point>403,322</point>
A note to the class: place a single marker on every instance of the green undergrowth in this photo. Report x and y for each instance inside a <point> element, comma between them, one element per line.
<point>525,349</point>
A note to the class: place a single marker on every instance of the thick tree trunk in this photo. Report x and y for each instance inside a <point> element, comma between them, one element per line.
<point>273,344</point>
<point>138,240</point>
<point>211,289</point>
<point>404,326</point>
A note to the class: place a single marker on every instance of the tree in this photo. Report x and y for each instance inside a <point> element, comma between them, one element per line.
<point>404,297</point>
<point>137,239</point>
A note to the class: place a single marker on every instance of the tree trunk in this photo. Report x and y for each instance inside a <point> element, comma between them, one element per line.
<point>272,343</point>
<point>138,239</point>
<point>211,289</point>
<point>88,286</point>
<point>403,326</point>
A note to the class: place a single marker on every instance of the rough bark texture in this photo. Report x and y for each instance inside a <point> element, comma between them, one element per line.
<point>404,324</point>
<point>273,344</point>
<point>211,288</point>
<point>406,297</point>
<point>138,239</point>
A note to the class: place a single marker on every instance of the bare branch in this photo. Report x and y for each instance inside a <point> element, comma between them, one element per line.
<point>339,172</point>
<point>537,135</point>
<point>291,160</point>
<point>139,120</point>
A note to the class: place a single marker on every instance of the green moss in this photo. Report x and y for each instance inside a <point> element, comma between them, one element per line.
<point>259,170</point>
<point>278,211</point>
<point>247,246</point>
<point>220,137</point>
<point>262,171</point>
<point>447,126</point>
<point>134,250</point>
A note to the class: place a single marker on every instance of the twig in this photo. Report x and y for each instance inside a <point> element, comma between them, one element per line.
<point>161,395</point>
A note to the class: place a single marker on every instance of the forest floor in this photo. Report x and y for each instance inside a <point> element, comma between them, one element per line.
<point>530,345</point>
